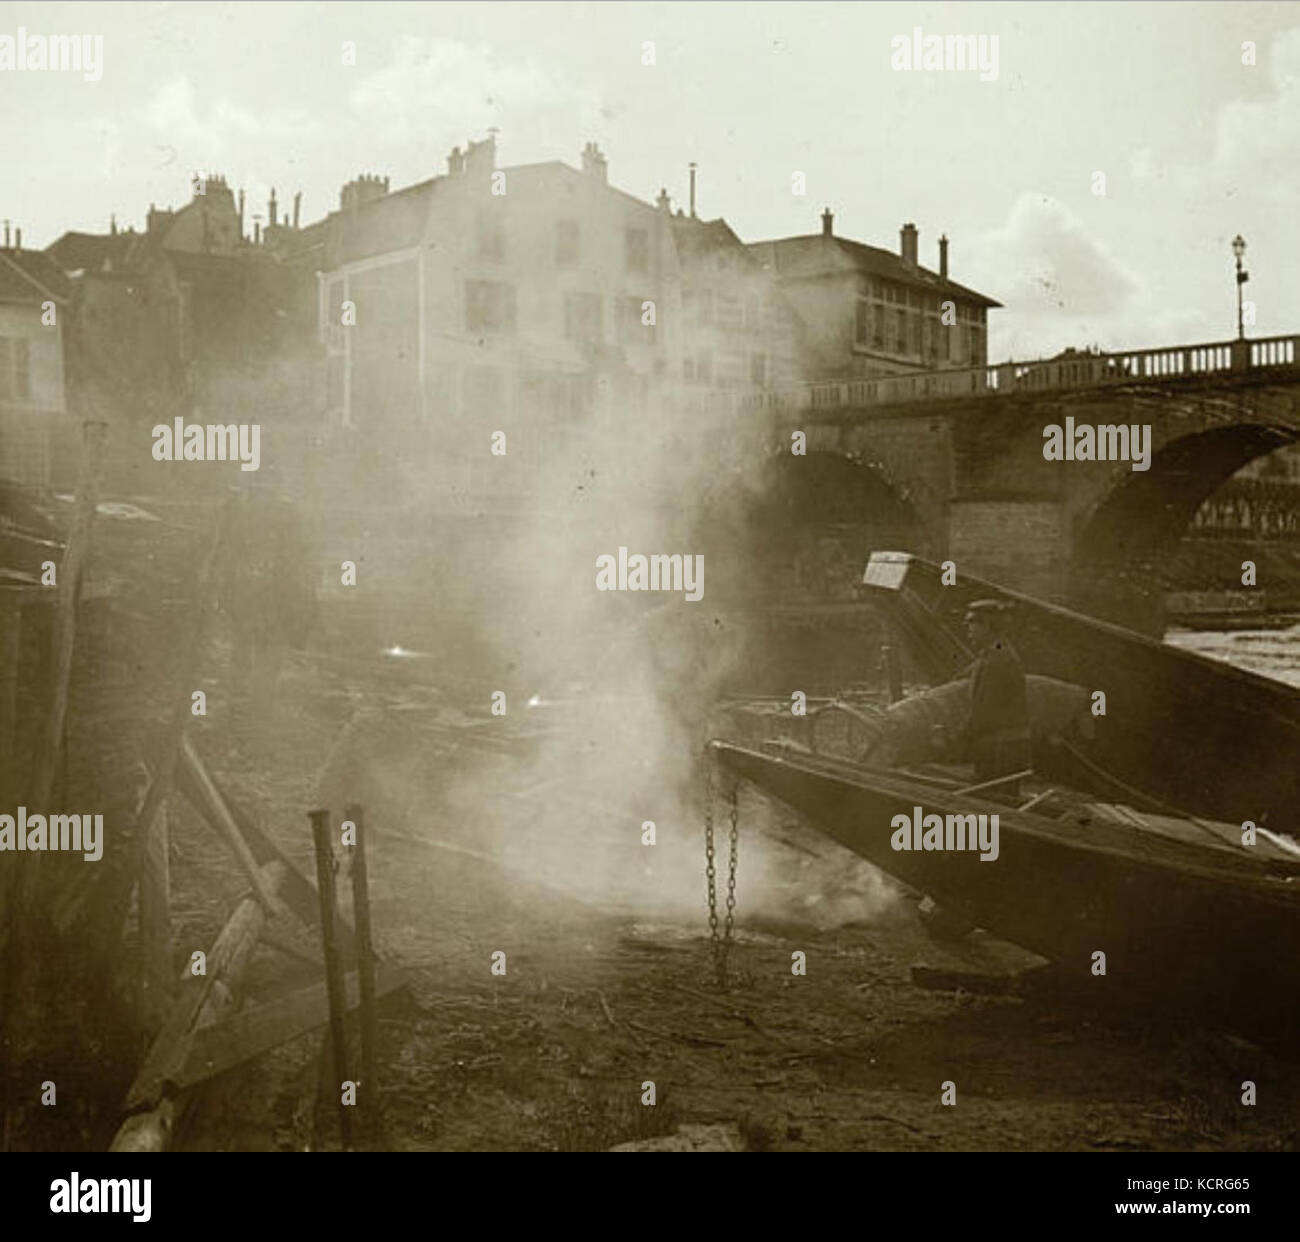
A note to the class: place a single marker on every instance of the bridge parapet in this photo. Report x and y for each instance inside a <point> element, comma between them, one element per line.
<point>1073,372</point>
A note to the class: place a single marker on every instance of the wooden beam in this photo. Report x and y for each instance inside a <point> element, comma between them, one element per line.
<point>297,891</point>
<point>211,1050</point>
<point>179,695</point>
<point>366,960</point>
<point>320,831</point>
<point>155,919</point>
<point>65,618</point>
<point>215,811</point>
<point>225,962</point>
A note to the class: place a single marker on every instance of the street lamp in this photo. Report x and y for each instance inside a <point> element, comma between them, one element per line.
<point>1239,249</point>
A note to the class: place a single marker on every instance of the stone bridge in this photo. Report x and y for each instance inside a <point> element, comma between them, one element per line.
<point>958,457</point>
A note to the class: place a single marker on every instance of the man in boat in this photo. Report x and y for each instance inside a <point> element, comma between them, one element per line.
<point>997,732</point>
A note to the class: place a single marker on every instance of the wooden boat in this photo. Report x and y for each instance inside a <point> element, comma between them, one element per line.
<point>1181,909</point>
<point>1197,734</point>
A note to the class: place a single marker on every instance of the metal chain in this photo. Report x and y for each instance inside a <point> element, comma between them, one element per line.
<point>710,870</point>
<point>734,816</point>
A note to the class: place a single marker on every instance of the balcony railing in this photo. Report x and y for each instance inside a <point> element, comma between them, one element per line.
<point>1052,375</point>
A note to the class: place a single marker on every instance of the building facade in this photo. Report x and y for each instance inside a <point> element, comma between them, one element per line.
<point>33,402</point>
<point>870,312</point>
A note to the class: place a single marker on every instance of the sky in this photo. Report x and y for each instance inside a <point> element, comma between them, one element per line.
<point>1193,143</point>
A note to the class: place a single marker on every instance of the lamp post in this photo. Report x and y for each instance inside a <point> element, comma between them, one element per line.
<point>1239,249</point>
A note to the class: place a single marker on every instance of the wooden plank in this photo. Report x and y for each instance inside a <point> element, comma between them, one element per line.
<point>215,811</point>
<point>297,892</point>
<point>65,618</point>
<point>179,693</point>
<point>155,918</point>
<point>320,831</point>
<point>11,628</point>
<point>366,960</point>
<point>225,961</point>
<point>211,1050</point>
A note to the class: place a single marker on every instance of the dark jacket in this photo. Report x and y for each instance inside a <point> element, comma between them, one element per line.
<point>998,706</point>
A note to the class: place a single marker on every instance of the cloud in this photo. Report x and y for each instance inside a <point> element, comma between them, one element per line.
<point>444,85</point>
<point>208,137</point>
<point>1061,287</point>
<point>1256,140</point>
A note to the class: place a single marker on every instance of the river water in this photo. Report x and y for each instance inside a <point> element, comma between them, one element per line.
<point>1271,653</point>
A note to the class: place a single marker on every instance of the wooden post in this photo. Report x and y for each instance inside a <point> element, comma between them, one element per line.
<point>202,1000</point>
<point>218,814</point>
<point>65,618</point>
<point>365,969</point>
<point>11,621</point>
<point>320,831</point>
<point>155,920</point>
<point>147,841</point>
<point>11,629</point>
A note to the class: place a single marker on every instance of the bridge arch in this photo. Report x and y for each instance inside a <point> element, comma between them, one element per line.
<point>807,524</point>
<point>1123,547</point>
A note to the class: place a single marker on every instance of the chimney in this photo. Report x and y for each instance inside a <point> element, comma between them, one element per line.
<point>241,215</point>
<point>907,244</point>
<point>18,239</point>
<point>257,233</point>
<point>692,189</point>
<point>112,225</point>
<point>297,203</point>
<point>663,202</point>
<point>271,211</point>
<point>828,222</point>
<point>455,162</point>
<point>6,234</point>
<point>594,164</point>
<point>481,160</point>
<point>943,257</point>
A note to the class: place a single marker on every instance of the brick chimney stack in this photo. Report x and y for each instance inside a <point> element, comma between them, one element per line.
<point>594,163</point>
<point>828,222</point>
<point>297,204</point>
<point>943,257</point>
<point>907,238</point>
<point>272,211</point>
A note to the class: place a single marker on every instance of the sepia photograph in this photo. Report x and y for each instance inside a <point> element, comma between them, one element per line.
<point>651,577</point>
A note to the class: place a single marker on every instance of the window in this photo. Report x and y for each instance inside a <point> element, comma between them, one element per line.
<point>916,333</point>
<point>900,331</point>
<point>489,306</point>
<point>862,322</point>
<point>15,369</point>
<point>566,242</point>
<point>491,236</point>
<point>753,313</point>
<point>758,369</point>
<point>704,316</point>
<point>638,250</point>
<point>582,317</point>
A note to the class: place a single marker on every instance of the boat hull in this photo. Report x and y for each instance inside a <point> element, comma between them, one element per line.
<point>1198,925</point>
